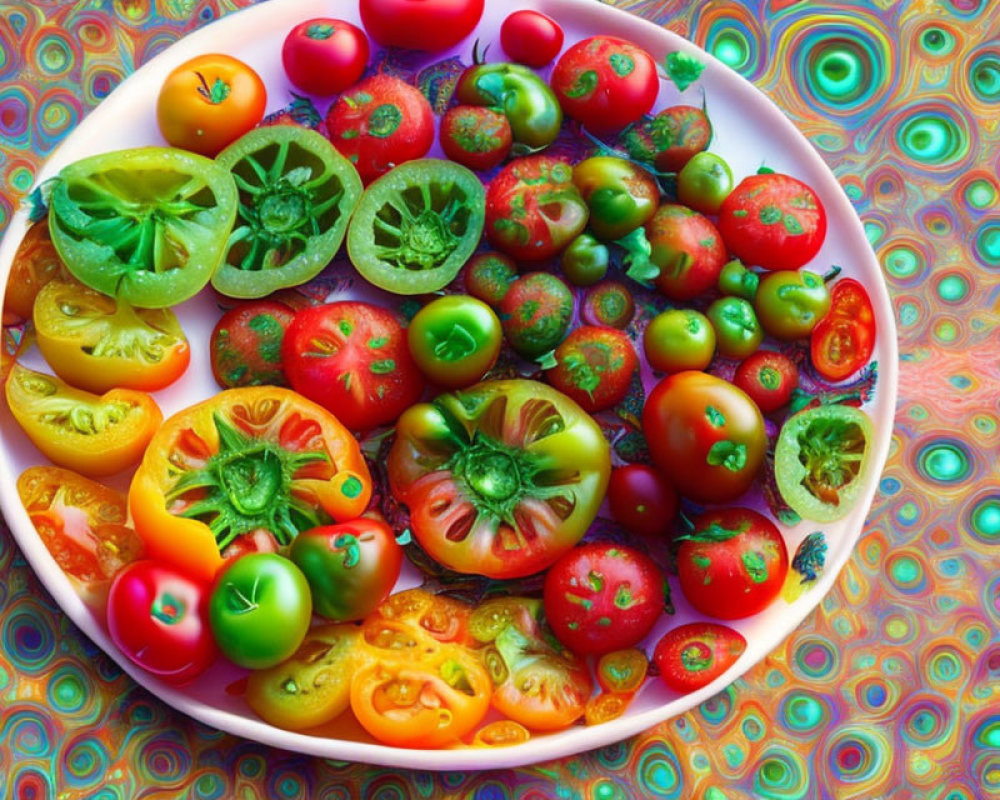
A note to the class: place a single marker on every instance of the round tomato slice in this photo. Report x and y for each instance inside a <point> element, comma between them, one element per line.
<point>693,655</point>
<point>35,263</point>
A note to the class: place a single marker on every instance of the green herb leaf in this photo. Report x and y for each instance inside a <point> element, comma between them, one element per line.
<point>637,261</point>
<point>728,454</point>
<point>683,69</point>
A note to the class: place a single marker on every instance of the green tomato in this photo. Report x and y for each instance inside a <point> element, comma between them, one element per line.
<point>738,281</point>
<point>704,182</point>
<point>585,260</point>
<point>737,331</point>
<point>455,339</point>
<point>259,610</point>
<point>621,196</point>
<point>678,340</point>
<point>790,303</point>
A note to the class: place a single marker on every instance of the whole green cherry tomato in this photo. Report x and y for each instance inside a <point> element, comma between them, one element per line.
<point>737,331</point>
<point>455,339</point>
<point>585,261</point>
<point>679,339</point>
<point>790,303</point>
<point>260,610</point>
<point>351,568</point>
<point>737,280</point>
<point>621,196</point>
<point>704,182</point>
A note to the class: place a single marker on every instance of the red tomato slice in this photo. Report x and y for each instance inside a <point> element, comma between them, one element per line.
<point>843,341</point>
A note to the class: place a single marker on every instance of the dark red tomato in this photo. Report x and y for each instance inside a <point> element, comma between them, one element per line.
<point>429,25</point>
<point>536,312</point>
<point>594,366</point>
<point>531,38</point>
<point>353,359</point>
<point>381,122</point>
<point>159,619</point>
<point>601,597</point>
<point>476,137</point>
<point>533,210</point>
<point>733,564</point>
<point>769,378</point>
<point>246,344</point>
<point>693,655</point>
<point>325,56</point>
<point>773,221</point>
<point>642,500</point>
<point>687,248</point>
<point>605,83</point>
<point>489,275</point>
<point>843,341</point>
<point>671,138</point>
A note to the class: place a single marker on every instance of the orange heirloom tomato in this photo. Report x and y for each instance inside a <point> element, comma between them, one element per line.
<point>208,102</point>
<point>442,618</point>
<point>95,342</point>
<point>83,525</point>
<point>89,433</point>
<point>245,460</point>
<point>501,733</point>
<point>36,262</point>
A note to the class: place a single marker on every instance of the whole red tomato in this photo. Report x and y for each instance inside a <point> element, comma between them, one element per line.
<point>642,500</point>
<point>529,37</point>
<point>476,137</point>
<point>353,359</point>
<point>594,366</point>
<point>693,655</point>
<point>430,25</point>
<point>769,378</point>
<point>246,344</point>
<point>324,56</point>
<point>687,248</point>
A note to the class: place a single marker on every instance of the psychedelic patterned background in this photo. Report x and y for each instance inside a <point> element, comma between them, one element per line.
<point>891,688</point>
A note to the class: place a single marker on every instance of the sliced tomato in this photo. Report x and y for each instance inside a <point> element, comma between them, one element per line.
<point>843,341</point>
<point>693,655</point>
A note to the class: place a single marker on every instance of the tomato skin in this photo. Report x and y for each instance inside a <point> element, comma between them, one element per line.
<point>35,263</point>
<point>536,313</point>
<point>208,102</point>
<point>704,183</point>
<point>693,655</point>
<point>620,195</point>
<point>245,345</point>
<point>429,25</point>
<point>733,564</point>
<point>605,83</point>
<point>671,138</point>
<point>738,333</point>
<point>642,500</point>
<point>352,358</point>
<point>679,339</point>
<point>844,339</point>
<point>687,248</point>
<point>531,38</point>
<point>475,136</point>
<point>790,303</point>
<point>324,56</point>
<point>379,123</point>
<point>594,367</point>
<point>601,597</point>
<point>769,378</point>
<point>705,435</point>
<point>622,671</point>
<point>454,340</point>
<point>489,275</point>
<point>159,619</point>
<point>585,261</point>
<point>773,221</point>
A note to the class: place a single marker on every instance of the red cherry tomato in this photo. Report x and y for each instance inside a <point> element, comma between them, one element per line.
<point>475,136</point>
<point>688,250</point>
<point>246,344</point>
<point>594,366</point>
<point>642,500</point>
<point>531,38</point>
<point>430,25</point>
<point>843,341</point>
<point>325,56</point>
<point>694,655</point>
<point>769,378</point>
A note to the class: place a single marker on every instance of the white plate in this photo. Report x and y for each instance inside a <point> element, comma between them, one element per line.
<point>749,130</point>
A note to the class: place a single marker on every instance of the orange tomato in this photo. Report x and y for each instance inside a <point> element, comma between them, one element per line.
<point>36,262</point>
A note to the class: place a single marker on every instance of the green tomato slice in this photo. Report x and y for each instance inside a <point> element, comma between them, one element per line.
<point>822,460</point>
<point>417,225</point>
<point>147,225</point>
<point>296,197</point>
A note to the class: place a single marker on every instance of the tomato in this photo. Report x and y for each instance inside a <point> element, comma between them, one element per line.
<point>96,343</point>
<point>609,303</point>
<point>585,261</point>
<point>379,123</point>
<point>158,618</point>
<point>737,331</point>
<point>790,303</point>
<point>296,196</point>
<point>245,460</point>
<point>208,102</point>
<point>737,281</point>
<point>705,435</point>
<point>454,340</point>
<point>416,227</point>
<point>148,226</point>
<point>324,56</point>
<point>693,655</point>
<point>601,597</point>
<point>533,210</point>
<point>500,479</point>
<point>536,313</point>
<point>475,136</point>
<point>822,460</point>
<point>773,221</point>
<point>605,83</point>
<point>606,706</point>
<point>246,344</point>
<point>529,37</point>
<point>35,263</point>
<point>642,500</point>
<point>351,567</point>
<point>311,687</point>
<point>431,25</point>
<point>87,433</point>
<point>622,671</point>
<point>442,619</point>
<point>671,138</point>
<point>733,563</point>
<point>489,275</point>
<point>501,733</point>
<point>620,195</point>
<point>704,182</point>
<point>688,250</point>
<point>679,339</point>
<point>83,525</point>
<point>769,378</point>
<point>844,339</point>
<point>594,366</point>
<point>352,358</point>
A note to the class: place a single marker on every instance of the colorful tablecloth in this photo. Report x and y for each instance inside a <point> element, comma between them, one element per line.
<point>891,688</point>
